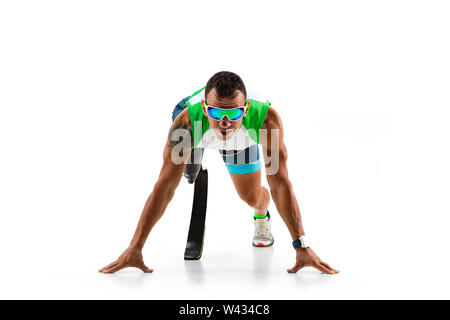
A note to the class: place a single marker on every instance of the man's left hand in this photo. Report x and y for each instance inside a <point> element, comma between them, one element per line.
<point>307,258</point>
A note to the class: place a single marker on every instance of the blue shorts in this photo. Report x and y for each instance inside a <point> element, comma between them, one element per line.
<point>237,161</point>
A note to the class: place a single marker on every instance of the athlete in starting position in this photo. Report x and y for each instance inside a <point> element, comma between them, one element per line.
<point>223,116</point>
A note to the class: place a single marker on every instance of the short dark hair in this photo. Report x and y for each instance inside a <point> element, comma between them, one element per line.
<point>225,83</point>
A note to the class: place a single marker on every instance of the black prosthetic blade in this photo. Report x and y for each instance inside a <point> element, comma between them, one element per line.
<point>194,245</point>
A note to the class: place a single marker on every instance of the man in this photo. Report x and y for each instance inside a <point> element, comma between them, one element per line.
<point>222,116</point>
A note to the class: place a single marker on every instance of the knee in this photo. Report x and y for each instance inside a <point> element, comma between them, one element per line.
<point>252,196</point>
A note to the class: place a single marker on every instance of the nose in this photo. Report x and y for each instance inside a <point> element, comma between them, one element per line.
<point>225,122</point>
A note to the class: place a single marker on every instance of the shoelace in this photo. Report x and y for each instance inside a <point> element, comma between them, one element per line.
<point>261,228</point>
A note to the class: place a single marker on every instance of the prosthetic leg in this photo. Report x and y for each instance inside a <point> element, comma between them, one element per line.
<point>195,173</point>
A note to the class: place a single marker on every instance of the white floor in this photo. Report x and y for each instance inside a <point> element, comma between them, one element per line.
<point>248,274</point>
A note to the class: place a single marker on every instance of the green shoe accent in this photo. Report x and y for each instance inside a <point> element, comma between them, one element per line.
<point>260,217</point>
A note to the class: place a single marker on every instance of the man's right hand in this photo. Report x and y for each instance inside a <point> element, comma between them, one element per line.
<point>131,257</point>
<point>162,193</point>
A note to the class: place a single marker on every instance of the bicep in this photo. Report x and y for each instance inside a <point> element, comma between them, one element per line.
<point>274,148</point>
<point>176,152</point>
<point>276,166</point>
<point>276,169</point>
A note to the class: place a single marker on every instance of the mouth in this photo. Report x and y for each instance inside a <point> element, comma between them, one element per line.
<point>225,134</point>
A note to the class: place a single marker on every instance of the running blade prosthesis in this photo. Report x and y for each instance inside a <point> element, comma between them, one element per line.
<point>194,245</point>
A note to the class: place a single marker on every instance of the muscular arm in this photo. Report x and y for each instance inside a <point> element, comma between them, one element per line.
<point>163,190</point>
<point>156,204</point>
<point>279,183</point>
<point>275,154</point>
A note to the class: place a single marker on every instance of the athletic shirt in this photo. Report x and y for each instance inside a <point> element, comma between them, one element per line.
<point>245,136</point>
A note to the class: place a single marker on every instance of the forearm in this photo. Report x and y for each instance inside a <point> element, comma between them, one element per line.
<point>154,208</point>
<point>287,205</point>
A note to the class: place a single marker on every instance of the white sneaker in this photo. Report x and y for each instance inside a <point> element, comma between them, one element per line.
<point>263,234</point>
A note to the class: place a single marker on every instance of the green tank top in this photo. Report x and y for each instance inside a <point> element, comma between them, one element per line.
<point>246,135</point>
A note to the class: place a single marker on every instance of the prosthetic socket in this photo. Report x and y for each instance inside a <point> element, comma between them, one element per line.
<point>193,165</point>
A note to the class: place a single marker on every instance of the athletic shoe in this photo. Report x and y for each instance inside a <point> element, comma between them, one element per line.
<point>263,234</point>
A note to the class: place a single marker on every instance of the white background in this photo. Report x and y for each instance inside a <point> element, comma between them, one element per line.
<point>87,90</point>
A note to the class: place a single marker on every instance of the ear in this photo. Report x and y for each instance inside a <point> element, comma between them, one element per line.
<point>204,108</point>
<point>248,107</point>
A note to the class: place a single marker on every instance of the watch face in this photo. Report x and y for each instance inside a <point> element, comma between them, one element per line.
<point>304,242</point>
<point>300,242</point>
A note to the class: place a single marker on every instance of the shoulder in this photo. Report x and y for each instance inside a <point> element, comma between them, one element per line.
<point>272,120</point>
<point>180,128</point>
<point>182,120</point>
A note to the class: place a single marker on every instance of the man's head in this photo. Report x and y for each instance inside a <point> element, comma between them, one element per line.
<point>225,90</point>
